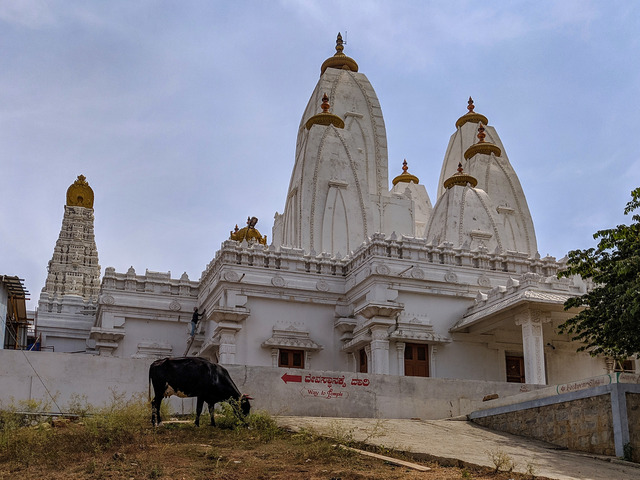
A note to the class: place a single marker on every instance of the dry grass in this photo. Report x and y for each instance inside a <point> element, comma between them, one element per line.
<point>120,443</point>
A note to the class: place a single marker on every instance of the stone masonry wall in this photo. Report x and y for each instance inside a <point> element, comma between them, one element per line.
<point>633,416</point>
<point>582,424</point>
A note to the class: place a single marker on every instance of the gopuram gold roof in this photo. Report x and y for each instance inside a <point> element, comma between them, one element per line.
<point>80,194</point>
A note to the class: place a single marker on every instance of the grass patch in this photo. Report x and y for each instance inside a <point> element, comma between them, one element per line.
<point>118,441</point>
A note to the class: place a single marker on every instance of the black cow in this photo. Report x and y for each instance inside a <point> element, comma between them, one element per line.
<point>193,377</point>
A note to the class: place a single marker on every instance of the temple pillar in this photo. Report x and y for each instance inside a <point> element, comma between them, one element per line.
<point>400,357</point>
<point>379,349</point>
<point>533,345</point>
<point>227,347</point>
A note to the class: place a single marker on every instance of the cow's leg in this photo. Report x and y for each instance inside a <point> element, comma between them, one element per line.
<point>158,392</point>
<point>211,410</point>
<point>155,410</point>
<point>199,406</point>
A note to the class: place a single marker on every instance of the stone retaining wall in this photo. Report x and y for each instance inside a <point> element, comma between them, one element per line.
<point>584,424</point>
<point>600,420</point>
<point>633,417</point>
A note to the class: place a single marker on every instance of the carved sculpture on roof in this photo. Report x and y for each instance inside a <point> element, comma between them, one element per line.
<point>249,233</point>
<point>80,194</point>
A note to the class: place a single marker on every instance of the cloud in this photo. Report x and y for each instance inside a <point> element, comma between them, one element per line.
<point>27,13</point>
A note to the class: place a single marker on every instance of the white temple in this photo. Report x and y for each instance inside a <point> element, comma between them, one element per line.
<point>358,277</point>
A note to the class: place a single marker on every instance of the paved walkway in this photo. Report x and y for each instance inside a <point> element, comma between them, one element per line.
<point>451,441</point>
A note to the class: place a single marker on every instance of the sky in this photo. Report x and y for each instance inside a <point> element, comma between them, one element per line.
<point>183,115</point>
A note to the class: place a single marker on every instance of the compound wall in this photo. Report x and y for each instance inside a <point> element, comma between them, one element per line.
<point>99,380</point>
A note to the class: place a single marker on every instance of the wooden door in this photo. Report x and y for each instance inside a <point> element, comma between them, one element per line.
<point>515,369</point>
<point>416,360</point>
<point>363,366</point>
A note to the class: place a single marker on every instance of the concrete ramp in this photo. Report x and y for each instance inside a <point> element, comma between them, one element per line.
<point>461,442</point>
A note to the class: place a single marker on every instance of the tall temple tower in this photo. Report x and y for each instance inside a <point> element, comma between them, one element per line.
<point>66,309</point>
<point>339,190</point>
<point>476,147</point>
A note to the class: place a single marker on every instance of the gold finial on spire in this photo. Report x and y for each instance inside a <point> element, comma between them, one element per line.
<point>470,105</point>
<point>461,179</point>
<point>80,194</point>
<point>325,104</point>
<point>339,43</point>
<point>481,133</point>
<point>471,116</point>
<point>339,59</point>
<point>405,176</point>
<point>325,118</point>
<point>482,147</point>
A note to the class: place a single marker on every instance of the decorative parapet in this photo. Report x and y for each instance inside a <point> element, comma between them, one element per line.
<point>268,257</point>
<point>378,245</point>
<point>150,282</point>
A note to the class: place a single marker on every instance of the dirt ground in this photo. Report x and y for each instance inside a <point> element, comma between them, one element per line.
<point>182,451</point>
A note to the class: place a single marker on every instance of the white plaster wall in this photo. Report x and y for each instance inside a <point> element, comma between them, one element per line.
<point>64,344</point>
<point>316,319</point>
<point>139,330</point>
<point>383,396</point>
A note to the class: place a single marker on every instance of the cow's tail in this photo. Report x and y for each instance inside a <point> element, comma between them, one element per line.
<point>149,391</point>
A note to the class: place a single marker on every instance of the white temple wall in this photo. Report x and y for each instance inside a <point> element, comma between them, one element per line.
<point>169,336</point>
<point>302,316</point>
<point>64,343</point>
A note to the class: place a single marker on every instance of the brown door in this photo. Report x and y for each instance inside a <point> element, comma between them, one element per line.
<point>363,367</point>
<point>515,369</point>
<point>416,360</point>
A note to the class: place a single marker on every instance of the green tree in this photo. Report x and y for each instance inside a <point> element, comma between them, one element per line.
<point>609,322</point>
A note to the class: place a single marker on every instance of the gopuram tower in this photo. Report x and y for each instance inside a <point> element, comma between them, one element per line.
<point>68,301</point>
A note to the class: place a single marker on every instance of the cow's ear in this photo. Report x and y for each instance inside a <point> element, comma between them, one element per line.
<point>247,397</point>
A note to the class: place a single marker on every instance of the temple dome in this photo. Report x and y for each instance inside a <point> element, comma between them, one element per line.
<point>479,149</point>
<point>408,186</point>
<point>464,217</point>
